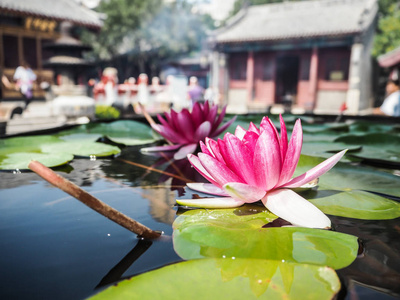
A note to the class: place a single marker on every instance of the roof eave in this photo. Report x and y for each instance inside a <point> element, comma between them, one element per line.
<point>91,25</point>
<point>283,38</point>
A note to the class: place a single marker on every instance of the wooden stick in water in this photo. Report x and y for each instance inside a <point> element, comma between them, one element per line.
<point>91,201</point>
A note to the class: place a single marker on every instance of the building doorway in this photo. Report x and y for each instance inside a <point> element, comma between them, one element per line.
<point>287,77</point>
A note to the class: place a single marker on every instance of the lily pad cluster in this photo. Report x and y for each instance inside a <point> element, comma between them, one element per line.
<point>82,141</point>
<point>239,253</point>
<point>247,252</point>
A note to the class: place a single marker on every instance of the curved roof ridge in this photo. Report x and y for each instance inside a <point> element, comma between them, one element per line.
<point>299,20</point>
<point>63,10</point>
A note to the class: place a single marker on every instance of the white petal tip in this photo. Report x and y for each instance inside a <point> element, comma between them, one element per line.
<point>295,209</point>
<point>225,202</point>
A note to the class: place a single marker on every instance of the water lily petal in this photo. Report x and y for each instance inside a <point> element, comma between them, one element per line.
<point>219,120</point>
<point>267,160</point>
<point>197,114</point>
<point>292,155</point>
<point>225,202</point>
<point>169,134</point>
<point>240,132</point>
<point>205,149</point>
<point>161,148</point>
<point>185,150</point>
<point>202,131</point>
<point>254,128</point>
<point>213,147</point>
<point>207,188</point>
<point>174,119</point>
<point>168,117</point>
<point>315,172</point>
<point>244,192</point>
<point>218,171</point>
<point>212,114</point>
<point>293,208</point>
<point>185,125</point>
<point>267,125</point>
<point>284,138</point>
<point>237,157</point>
<point>195,162</point>
<point>250,140</point>
<point>223,127</point>
<point>206,109</point>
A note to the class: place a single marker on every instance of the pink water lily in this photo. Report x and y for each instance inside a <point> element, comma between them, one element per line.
<point>184,130</point>
<point>258,164</point>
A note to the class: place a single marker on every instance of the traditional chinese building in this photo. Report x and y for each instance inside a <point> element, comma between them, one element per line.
<point>314,55</point>
<point>26,26</point>
<point>391,62</point>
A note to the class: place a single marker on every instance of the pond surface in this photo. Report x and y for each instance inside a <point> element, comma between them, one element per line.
<point>54,247</point>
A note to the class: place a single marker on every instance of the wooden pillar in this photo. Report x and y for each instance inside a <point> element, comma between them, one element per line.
<point>1,51</point>
<point>21,57</point>
<point>313,77</point>
<point>39,53</point>
<point>356,76</point>
<point>250,76</point>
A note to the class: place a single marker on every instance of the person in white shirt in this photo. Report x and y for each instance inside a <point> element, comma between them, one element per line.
<point>391,104</point>
<point>25,78</point>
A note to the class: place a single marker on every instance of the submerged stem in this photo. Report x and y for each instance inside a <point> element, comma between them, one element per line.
<point>91,201</point>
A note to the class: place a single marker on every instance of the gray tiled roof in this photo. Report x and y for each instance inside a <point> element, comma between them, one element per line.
<point>301,19</point>
<point>390,59</point>
<point>57,9</point>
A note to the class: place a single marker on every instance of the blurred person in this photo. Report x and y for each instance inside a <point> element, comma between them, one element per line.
<point>391,104</point>
<point>165,97</point>
<point>25,77</point>
<point>195,91</point>
<point>143,94</point>
<point>110,80</point>
<point>155,90</point>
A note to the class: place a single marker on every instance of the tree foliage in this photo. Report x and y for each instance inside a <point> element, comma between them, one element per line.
<point>122,17</point>
<point>138,26</point>
<point>387,37</point>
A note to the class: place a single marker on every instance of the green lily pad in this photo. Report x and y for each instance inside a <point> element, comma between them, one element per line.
<point>81,148</point>
<point>346,177</point>
<point>354,204</point>
<point>324,149</point>
<point>326,127</point>
<point>229,279</point>
<point>362,127</point>
<point>25,143</point>
<point>20,160</point>
<point>124,132</point>
<point>374,138</point>
<point>204,234</point>
<point>378,146</point>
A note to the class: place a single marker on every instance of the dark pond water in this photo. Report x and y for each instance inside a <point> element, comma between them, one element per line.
<point>54,247</point>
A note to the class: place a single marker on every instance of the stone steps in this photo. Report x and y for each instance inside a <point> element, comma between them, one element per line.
<point>26,124</point>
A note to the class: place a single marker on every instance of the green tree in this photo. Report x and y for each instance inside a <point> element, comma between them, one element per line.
<point>122,17</point>
<point>387,37</point>
<point>139,27</point>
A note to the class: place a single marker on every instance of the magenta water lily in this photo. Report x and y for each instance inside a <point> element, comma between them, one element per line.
<point>258,164</point>
<point>184,130</point>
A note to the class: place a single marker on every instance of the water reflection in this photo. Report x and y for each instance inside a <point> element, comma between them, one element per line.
<point>119,269</point>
